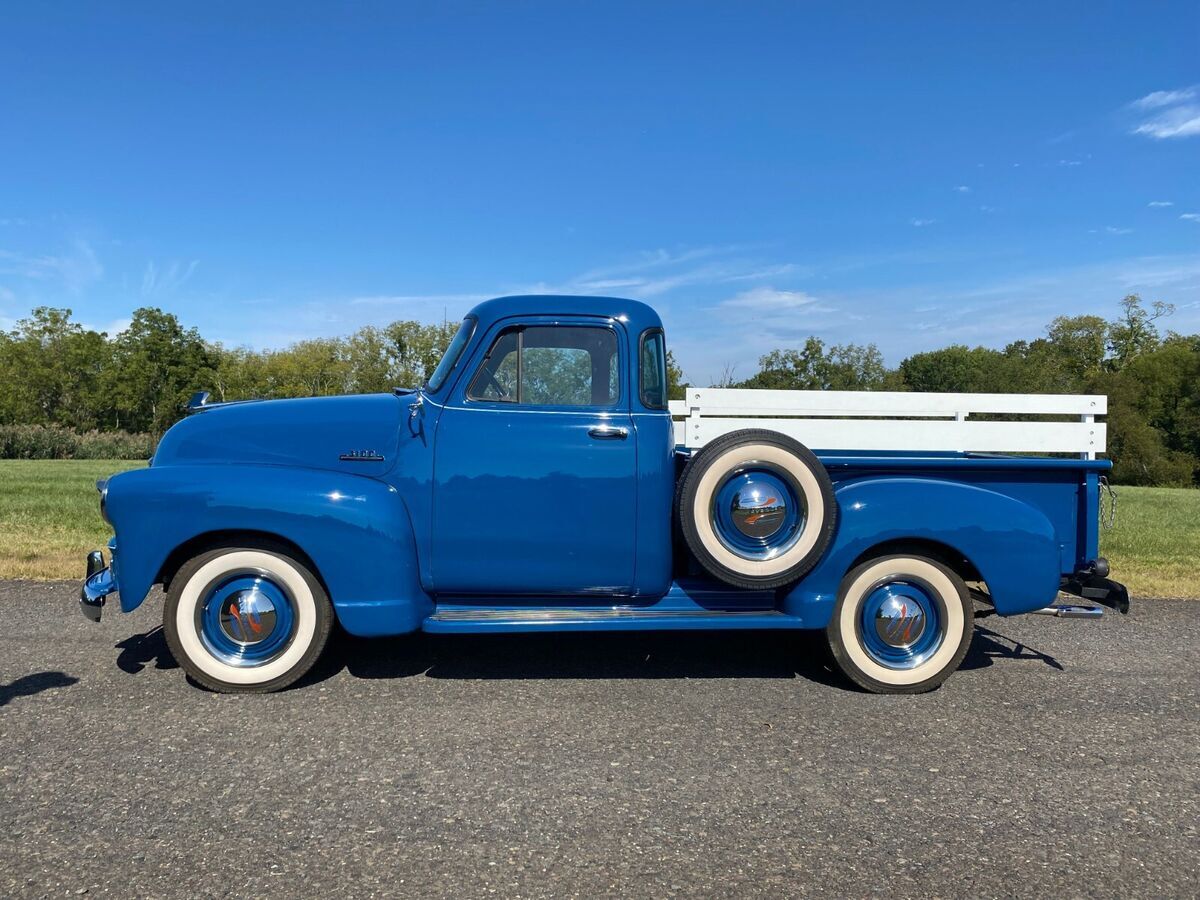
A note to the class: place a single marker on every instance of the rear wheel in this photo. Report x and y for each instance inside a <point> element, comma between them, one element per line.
<point>756,509</point>
<point>902,624</point>
<point>246,619</point>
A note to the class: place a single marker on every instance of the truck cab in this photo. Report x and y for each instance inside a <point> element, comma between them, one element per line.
<point>539,480</point>
<point>552,451</point>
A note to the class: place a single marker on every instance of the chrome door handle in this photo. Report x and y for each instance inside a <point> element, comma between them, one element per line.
<point>609,432</point>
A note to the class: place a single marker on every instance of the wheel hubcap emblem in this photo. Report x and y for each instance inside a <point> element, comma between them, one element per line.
<point>757,510</point>
<point>248,616</point>
<point>899,621</point>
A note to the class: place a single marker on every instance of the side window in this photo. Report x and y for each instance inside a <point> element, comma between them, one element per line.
<point>652,369</point>
<point>550,365</point>
<point>497,376</point>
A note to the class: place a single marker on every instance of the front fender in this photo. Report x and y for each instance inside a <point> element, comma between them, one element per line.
<point>356,530</point>
<point>1011,543</point>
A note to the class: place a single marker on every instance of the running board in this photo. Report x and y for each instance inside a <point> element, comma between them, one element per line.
<point>454,618</point>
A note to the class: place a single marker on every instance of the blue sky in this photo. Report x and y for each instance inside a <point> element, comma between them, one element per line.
<point>908,174</point>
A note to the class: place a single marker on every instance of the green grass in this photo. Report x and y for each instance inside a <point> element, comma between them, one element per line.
<point>49,519</point>
<point>50,515</point>
<point>1155,547</point>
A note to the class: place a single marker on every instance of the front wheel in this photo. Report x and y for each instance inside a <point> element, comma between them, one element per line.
<point>902,624</point>
<point>246,619</point>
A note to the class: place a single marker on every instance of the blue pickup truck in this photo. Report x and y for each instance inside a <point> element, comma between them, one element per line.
<point>535,483</point>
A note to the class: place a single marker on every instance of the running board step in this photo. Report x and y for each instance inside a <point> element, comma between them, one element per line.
<point>620,618</point>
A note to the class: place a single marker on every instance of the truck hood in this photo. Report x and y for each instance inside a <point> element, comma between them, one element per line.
<point>358,433</point>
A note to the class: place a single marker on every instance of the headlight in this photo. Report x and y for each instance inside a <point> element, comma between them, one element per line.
<point>102,487</point>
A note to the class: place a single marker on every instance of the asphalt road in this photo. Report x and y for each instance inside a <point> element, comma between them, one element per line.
<point>1062,760</point>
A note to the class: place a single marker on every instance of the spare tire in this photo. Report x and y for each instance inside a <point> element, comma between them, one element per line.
<point>756,509</point>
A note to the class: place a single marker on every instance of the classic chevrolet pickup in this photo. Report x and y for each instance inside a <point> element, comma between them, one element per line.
<point>537,481</point>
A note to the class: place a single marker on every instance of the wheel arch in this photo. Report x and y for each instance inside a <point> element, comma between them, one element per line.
<point>939,551</point>
<point>354,533</point>
<point>233,537</point>
<point>980,534</point>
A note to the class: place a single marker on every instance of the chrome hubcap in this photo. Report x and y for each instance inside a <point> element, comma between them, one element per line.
<point>248,616</point>
<point>899,621</point>
<point>758,510</point>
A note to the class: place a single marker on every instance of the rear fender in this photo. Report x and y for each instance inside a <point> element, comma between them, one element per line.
<point>1010,543</point>
<point>355,530</point>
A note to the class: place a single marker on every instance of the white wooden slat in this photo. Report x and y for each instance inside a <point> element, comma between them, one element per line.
<point>680,433</point>
<point>677,407</point>
<point>750,402</point>
<point>860,434</point>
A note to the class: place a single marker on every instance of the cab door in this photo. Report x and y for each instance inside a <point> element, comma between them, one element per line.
<point>535,466</point>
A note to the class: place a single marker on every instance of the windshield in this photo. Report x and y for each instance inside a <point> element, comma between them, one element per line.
<point>453,352</point>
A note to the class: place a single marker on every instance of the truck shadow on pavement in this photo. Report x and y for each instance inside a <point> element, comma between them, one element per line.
<point>729,654</point>
<point>28,685</point>
<point>712,654</point>
<point>141,650</point>
<point>611,655</point>
<point>988,646</point>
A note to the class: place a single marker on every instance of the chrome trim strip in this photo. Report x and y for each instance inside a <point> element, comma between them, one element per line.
<point>568,614</point>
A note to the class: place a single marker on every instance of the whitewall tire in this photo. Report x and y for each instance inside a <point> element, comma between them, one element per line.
<point>902,624</point>
<point>246,619</point>
<point>756,509</point>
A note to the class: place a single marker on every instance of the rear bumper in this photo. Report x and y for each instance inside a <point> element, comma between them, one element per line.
<point>101,580</point>
<point>1092,583</point>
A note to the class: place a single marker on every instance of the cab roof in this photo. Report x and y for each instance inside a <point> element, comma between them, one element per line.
<point>638,316</point>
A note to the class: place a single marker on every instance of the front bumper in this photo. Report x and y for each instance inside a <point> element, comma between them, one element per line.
<point>101,581</point>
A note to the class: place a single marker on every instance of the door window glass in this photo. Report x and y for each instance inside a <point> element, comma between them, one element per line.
<point>550,365</point>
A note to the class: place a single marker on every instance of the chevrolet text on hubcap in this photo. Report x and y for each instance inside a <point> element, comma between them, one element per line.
<point>758,512</point>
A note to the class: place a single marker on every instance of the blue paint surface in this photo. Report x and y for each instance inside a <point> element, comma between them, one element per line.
<point>410,504</point>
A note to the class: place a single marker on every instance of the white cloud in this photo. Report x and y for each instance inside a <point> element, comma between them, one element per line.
<point>658,272</point>
<point>157,282</point>
<point>113,328</point>
<point>921,223</point>
<point>1160,203</point>
<point>987,209</point>
<point>768,299</point>
<point>1190,217</point>
<point>1112,229</point>
<point>963,189</point>
<point>1159,99</point>
<point>73,271</point>
<point>1070,163</point>
<point>418,299</point>
<point>1168,114</point>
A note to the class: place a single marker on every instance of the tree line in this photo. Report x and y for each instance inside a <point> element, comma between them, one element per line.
<point>56,374</point>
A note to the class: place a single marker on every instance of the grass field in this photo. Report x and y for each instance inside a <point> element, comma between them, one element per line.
<point>1155,547</point>
<point>50,515</point>
<point>49,519</point>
